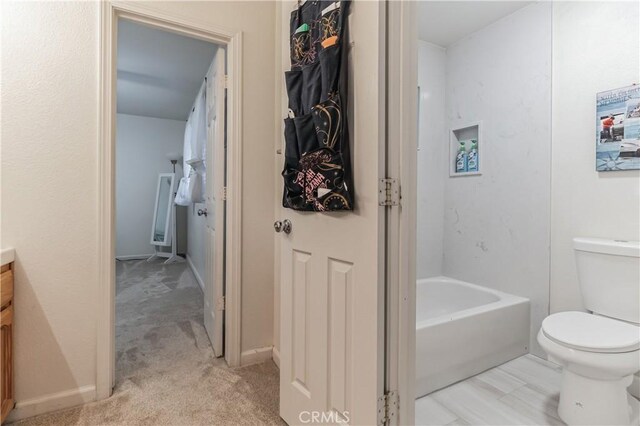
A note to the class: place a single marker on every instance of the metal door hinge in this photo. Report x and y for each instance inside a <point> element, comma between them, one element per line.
<point>389,192</point>
<point>226,81</point>
<point>220,305</point>
<point>224,193</point>
<point>388,408</point>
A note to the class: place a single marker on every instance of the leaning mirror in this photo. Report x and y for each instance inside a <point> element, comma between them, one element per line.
<point>161,230</point>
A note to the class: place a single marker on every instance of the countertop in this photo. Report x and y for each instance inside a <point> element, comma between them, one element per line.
<point>7,256</point>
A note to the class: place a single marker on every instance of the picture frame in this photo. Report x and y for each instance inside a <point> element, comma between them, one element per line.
<point>618,129</point>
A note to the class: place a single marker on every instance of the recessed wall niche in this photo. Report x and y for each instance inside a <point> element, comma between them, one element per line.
<point>464,150</point>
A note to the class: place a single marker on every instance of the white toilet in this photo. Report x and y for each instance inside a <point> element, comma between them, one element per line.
<point>599,351</point>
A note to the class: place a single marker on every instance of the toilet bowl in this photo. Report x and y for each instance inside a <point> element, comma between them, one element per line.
<point>599,351</point>
<point>598,356</point>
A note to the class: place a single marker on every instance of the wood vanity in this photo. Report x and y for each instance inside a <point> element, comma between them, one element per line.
<point>6,331</point>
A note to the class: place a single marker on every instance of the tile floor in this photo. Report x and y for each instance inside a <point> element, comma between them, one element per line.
<point>521,392</point>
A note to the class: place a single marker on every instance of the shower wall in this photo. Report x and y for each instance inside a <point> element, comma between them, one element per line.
<point>495,227</point>
<point>432,133</point>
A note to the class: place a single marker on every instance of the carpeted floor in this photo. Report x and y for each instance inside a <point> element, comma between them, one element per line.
<point>166,371</point>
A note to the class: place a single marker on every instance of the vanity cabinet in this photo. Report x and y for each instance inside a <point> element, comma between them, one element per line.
<point>6,346</point>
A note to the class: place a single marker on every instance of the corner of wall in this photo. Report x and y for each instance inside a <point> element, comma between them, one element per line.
<point>52,402</point>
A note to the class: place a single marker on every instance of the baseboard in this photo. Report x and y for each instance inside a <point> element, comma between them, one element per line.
<point>134,256</point>
<point>199,279</point>
<point>255,356</point>
<point>52,402</point>
<point>276,357</point>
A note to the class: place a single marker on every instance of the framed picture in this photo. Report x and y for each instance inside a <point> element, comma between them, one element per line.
<point>618,129</point>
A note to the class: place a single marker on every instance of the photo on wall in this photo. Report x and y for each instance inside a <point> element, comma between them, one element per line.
<point>618,129</point>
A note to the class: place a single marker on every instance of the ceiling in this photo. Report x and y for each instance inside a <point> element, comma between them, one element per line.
<point>445,22</point>
<point>159,72</point>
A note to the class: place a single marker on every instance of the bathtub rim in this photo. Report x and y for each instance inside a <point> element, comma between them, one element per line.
<point>504,299</point>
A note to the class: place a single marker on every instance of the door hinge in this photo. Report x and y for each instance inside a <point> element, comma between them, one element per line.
<point>220,305</point>
<point>389,192</point>
<point>224,193</point>
<point>226,81</point>
<point>388,408</point>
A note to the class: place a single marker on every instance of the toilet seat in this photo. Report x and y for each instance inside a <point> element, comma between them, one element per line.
<point>591,333</point>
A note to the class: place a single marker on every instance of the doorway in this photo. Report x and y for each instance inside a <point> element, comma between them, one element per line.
<point>439,156</point>
<point>218,207</point>
<point>169,167</point>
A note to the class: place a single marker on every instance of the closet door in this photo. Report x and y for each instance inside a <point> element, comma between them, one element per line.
<point>215,203</point>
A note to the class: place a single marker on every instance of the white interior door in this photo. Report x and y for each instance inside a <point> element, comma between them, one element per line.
<point>214,202</point>
<point>332,264</point>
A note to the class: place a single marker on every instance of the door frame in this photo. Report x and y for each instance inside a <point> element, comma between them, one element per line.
<point>402,81</point>
<point>110,12</point>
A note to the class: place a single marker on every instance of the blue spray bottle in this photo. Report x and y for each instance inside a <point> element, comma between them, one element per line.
<point>461,158</point>
<point>472,157</point>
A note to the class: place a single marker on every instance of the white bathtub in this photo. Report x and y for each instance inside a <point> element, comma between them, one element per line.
<point>463,329</point>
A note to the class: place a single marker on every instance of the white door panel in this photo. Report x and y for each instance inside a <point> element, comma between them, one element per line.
<point>332,275</point>
<point>214,202</point>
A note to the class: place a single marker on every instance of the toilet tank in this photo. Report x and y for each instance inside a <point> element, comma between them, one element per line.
<point>609,275</point>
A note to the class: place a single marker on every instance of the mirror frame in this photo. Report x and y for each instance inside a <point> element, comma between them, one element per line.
<point>167,227</point>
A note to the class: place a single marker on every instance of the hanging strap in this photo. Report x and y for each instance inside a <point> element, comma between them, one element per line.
<point>299,14</point>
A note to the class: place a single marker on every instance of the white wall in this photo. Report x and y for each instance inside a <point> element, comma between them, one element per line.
<point>49,191</point>
<point>50,181</point>
<point>596,47</point>
<point>432,165</point>
<point>142,144</point>
<point>496,226</point>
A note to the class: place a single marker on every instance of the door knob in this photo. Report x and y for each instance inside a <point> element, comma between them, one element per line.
<point>202,212</point>
<point>286,226</point>
<point>282,226</point>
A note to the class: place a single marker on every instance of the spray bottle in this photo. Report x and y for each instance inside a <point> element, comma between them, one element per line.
<point>472,158</point>
<point>461,158</point>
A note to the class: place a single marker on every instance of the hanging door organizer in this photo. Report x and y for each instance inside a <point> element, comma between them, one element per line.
<point>317,163</point>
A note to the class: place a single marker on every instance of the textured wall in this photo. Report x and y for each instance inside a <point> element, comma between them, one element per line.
<point>49,183</point>
<point>50,180</point>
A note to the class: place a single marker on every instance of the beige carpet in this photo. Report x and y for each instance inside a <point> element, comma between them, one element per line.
<point>166,371</point>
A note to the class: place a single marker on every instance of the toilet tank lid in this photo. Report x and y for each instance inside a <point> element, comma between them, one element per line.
<point>602,245</point>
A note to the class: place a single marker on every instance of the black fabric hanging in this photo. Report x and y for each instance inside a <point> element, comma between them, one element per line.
<point>317,167</point>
